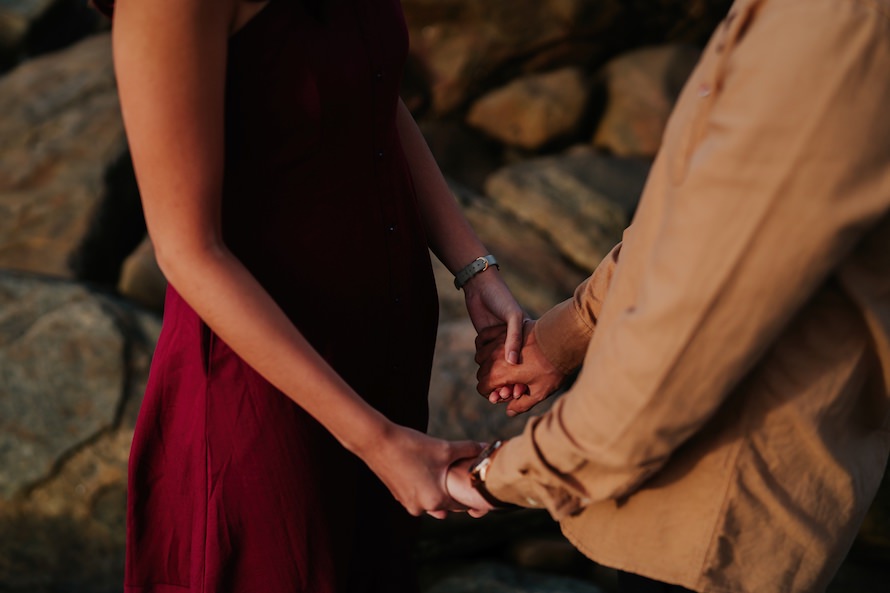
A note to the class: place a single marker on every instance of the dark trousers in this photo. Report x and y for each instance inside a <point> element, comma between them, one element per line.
<point>634,583</point>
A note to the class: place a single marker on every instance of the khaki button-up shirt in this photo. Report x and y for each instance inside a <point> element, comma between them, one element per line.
<point>731,421</point>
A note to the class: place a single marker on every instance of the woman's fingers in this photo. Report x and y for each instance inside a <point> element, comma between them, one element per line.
<point>513,341</point>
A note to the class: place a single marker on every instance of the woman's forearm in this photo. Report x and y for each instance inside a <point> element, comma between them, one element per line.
<point>454,242</point>
<point>236,307</point>
<point>451,237</point>
<point>227,297</point>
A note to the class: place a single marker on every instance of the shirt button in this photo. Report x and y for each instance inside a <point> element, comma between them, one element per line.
<point>391,228</point>
<point>397,300</point>
<point>379,154</point>
<point>379,75</point>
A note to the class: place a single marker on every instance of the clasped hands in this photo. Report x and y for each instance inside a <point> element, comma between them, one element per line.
<point>519,385</point>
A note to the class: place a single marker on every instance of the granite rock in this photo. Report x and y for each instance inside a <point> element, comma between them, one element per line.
<point>581,201</point>
<point>73,368</point>
<point>535,110</point>
<point>31,27</point>
<point>68,202</point>
<point>641,88</point>
<point>141,280</point>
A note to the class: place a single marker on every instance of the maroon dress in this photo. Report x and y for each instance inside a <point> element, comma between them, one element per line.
<point>233,487</point>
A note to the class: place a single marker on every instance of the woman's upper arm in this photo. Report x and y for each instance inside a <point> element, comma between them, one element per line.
<point>170,63</point>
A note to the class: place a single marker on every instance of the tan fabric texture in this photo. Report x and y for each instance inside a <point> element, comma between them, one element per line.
<point>731,421</point>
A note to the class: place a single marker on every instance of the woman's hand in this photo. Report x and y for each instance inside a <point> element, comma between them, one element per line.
<point>414,467</point>
<point>490,303</point>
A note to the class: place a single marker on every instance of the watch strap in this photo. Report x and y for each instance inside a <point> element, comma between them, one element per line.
<point>477,266</point>
<point>478,471</point>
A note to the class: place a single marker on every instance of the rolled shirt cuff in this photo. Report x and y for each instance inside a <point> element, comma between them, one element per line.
<point>519,475</point>
<point>563,336</point>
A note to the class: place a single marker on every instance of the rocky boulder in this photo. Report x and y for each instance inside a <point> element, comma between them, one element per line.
<point>68,201</point>
<point>535,110</point>
<point>141,280</point>
<point>467,46</point>
<point>73,367</point>
<point>31,27</point>
<point>641,88</point>
<point>580,201</point>
<point>463,43</point>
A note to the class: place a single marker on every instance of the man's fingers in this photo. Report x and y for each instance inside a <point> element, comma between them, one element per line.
<point>484,384</point>
<point>487,352</point>
<point>493,333</point>
<point>523,404</point>
<point>498,386</point>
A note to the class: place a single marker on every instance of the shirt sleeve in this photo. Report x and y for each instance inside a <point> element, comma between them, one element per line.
<point>564,332</point>
<point>789,172</point>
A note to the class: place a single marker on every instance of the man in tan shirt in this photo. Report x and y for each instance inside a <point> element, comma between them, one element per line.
<point>730,423</point>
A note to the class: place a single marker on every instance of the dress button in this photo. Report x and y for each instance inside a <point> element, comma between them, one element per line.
<point>397,300</point>
<point>379,75</point>
<point>379,154</point>
<point>391,228</point>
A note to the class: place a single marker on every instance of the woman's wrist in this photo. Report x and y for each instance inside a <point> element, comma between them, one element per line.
<point>490,280</point>
<point>475,268</point>
<point>374,432</point>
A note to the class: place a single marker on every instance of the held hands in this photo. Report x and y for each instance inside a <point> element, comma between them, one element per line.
<point>415,468</point>
<point>462,490</point>
<point>429,475</point>
<point>490,303</point>
<point>522,385</point>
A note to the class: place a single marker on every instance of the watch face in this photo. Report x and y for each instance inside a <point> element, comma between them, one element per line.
<point>480,468</point>
<point>483,468</point>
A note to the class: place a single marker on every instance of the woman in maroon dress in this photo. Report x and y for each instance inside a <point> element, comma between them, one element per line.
<point>291,201</point>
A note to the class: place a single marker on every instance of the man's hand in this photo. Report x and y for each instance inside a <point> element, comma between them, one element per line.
<point>459,487</point>
<point>524,385</point>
